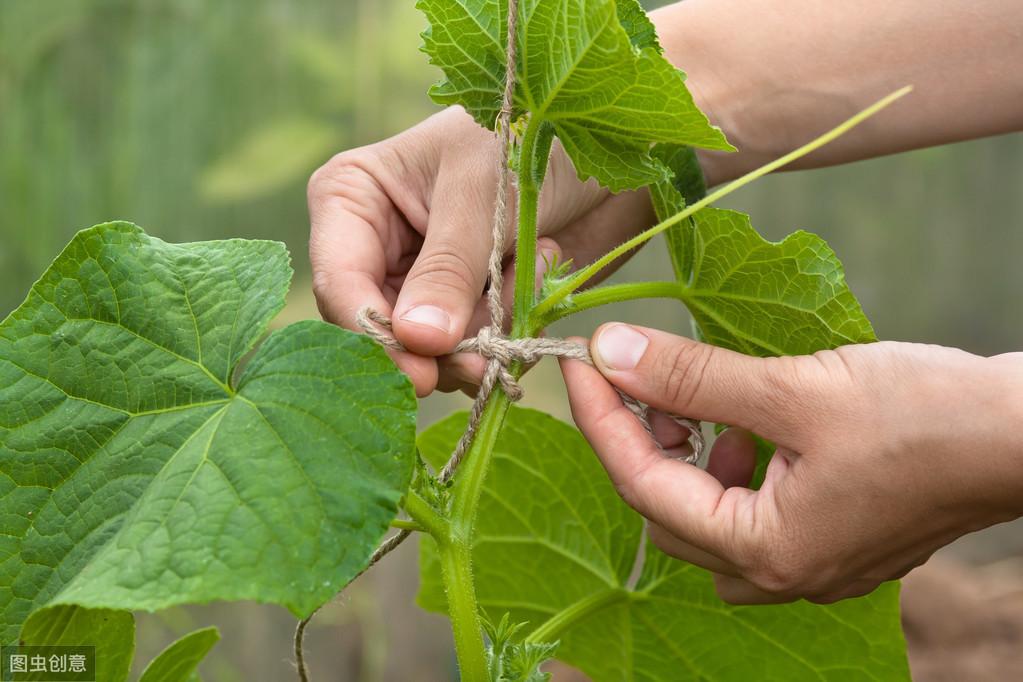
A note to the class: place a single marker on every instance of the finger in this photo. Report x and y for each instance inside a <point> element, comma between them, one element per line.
<point>733,458</point>
<point>688,502</point>
<point>348,259</point>
<point>672,546</point>
<point>674,438</point>
<point>738,591</point>
<point>446,281</point>
<point>460,372</point>
<point>704,382</point>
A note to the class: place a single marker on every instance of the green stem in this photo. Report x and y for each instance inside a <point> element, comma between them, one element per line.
<point>587,273</point>
<point>473,471</point>
<point>612,293</point>
<point>456,546</point>
<point>403,524</point>
<point>551,630</point>
<point>424,516</point>
<point>525,245</point>
<point>456,570</point>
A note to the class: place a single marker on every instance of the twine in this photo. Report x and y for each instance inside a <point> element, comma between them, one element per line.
<point>491,343</point>
<point>501,351</point>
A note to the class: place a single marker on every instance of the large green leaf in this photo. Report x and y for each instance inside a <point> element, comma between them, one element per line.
<point>592,70</point>
<point>552,534</point>
<point>139,469</point>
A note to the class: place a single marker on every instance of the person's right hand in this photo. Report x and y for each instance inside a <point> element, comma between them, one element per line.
<point>885,452</point>
<point>404,226</point>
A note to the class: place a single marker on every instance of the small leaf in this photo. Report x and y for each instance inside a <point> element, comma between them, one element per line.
<point>512,661</point>
<point>178,662</point>
<point>747,293</point>
<point>553,534</point>
<point>111,632</point>
<point>139,469</point>
<point>590,68</point>
<point>766,298</point>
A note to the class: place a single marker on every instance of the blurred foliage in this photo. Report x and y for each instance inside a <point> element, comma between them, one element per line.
<point>197,119</point>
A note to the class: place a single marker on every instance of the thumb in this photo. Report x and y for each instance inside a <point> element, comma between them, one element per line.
<point>696,380</point>
<point>447,279</point>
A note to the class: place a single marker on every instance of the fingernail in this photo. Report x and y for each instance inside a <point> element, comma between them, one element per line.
<point>621,347</point>
<point>429,315</point>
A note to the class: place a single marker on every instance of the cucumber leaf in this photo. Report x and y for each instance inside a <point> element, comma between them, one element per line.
<point>552,534</point>
<point>747,293</point>
<point>766,298</point>
<point>591,68</point>
<point>142,467</point>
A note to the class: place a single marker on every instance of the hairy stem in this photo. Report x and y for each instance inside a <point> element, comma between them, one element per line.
<point>456,552</point>
<point>456,569</point>
<point>456,547</point>
<point>469,486</point>
<point>551,630</point>
<point>585,274</point>
<point>612,293</point>
<point>525,245</point>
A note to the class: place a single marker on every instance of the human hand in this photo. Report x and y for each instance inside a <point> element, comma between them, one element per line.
<point>886,452</point>
<point>404,226</point>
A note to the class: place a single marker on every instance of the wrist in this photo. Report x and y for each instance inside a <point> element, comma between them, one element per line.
<point>1006,404</point>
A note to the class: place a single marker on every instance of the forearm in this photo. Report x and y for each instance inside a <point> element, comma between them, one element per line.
<point>775,73</point>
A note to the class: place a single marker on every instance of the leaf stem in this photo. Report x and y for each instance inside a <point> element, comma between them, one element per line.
<point>551,630</point>
<point>611,293</point>
<point>585,274</point>
<point>405,524</point>
<point>525,244</point>
<point>424,516</point>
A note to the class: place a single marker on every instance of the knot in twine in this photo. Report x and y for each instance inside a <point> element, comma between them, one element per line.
<point>501,352</point>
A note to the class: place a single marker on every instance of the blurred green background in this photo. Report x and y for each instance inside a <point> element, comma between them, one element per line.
<point>203,120</point>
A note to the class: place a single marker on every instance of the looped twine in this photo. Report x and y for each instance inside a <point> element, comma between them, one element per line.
<point>501,351</point>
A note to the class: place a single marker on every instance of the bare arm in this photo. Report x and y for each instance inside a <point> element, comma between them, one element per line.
<point>775,73</point>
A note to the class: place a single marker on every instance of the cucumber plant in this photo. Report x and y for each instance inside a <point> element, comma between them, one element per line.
<point>153,453</point>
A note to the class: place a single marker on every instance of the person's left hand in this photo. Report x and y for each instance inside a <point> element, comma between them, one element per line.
<point>886,452</point>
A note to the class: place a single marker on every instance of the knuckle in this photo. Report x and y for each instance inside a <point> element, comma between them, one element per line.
<point>683,366</point>
<point>448,271</point>
<point>804,386</point>
<point>325,179</point>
